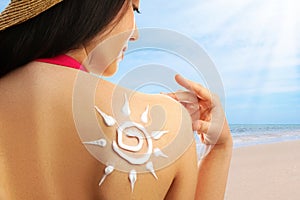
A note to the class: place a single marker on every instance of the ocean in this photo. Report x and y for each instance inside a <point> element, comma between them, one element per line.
<point>252,134</point>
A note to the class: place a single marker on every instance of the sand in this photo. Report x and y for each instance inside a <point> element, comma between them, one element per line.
<point>263,172</point>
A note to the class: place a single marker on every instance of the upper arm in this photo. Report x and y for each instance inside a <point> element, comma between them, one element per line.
<point>184,184</point>
<point>185,180</point>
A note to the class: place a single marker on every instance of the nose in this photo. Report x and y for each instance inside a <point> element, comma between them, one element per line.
<point>135,35</point>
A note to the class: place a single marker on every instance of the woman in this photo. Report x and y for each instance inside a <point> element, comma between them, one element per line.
<point>43,44</point>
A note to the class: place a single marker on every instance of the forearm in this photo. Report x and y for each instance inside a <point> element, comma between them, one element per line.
<point>213,173</point>
<point>213,170</point>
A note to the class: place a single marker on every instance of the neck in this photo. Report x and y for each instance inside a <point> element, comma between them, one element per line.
<point>79,54</point>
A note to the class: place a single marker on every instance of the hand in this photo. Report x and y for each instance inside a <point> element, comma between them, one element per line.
<point>206,111</point>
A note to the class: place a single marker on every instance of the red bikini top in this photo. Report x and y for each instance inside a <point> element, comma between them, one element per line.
<point>63,60</point>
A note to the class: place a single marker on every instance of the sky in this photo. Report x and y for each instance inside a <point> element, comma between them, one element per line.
<point>253,43</point>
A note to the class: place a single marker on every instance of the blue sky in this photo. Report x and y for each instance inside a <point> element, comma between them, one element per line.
<point>254,44</point>
<point>3,4</point>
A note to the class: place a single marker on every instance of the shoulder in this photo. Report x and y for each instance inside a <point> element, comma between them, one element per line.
<point>152,134</point>
<point>153,111</point>
<point>164,120</point>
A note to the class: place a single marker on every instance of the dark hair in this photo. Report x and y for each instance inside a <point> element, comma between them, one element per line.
<point>58,30</point>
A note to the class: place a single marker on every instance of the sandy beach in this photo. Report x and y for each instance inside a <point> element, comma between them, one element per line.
<point>263,172</point>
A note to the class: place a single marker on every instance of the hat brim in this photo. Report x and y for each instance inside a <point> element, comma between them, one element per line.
<point>22,10</point>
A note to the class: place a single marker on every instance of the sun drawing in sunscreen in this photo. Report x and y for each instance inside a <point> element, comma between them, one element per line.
<point>132,130</point>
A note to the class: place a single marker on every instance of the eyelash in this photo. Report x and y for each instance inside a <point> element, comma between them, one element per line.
<point>135,9</point>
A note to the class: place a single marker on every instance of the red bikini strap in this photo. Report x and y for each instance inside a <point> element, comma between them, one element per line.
<point>63,60</point>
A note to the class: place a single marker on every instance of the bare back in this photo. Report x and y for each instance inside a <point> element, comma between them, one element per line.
<point>43,157</point>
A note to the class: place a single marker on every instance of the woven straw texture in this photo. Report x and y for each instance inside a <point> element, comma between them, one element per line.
<point>19,11</point>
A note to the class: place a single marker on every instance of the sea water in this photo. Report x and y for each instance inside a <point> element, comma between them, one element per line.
<point>252,134</point>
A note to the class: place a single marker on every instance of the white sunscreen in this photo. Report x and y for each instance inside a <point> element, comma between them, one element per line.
<point>133,160</point>
<point>126,109</point>
<point>132,178</point>
<point>130,153</point>
<point>158,153</point>
<point>109,121</point>
<point>130,133</point>
<point>144,117</point>
<point>149,166</point>
<point>108,170</point>
<point>101,142</point>
<point>158,134</point>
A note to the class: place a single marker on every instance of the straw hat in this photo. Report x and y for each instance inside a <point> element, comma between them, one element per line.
<point>19,11</point>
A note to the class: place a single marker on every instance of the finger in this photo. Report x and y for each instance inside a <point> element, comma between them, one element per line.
<point>201,91</point>
<point>172,95</point>
<point>206,115</point>
<point>183,82</point>
<point>201,126</point>
<point>187,97</point>
<point>195,115</point>
<point>192,108</point>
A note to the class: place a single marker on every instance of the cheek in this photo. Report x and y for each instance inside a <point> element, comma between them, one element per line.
<point>132,20</point>
<point>104,56</point>
<point>128,21</point>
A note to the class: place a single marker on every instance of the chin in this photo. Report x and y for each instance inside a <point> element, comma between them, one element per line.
<point>111,69</point>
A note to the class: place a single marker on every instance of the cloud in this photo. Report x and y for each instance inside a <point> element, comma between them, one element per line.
<point>254,44</point>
